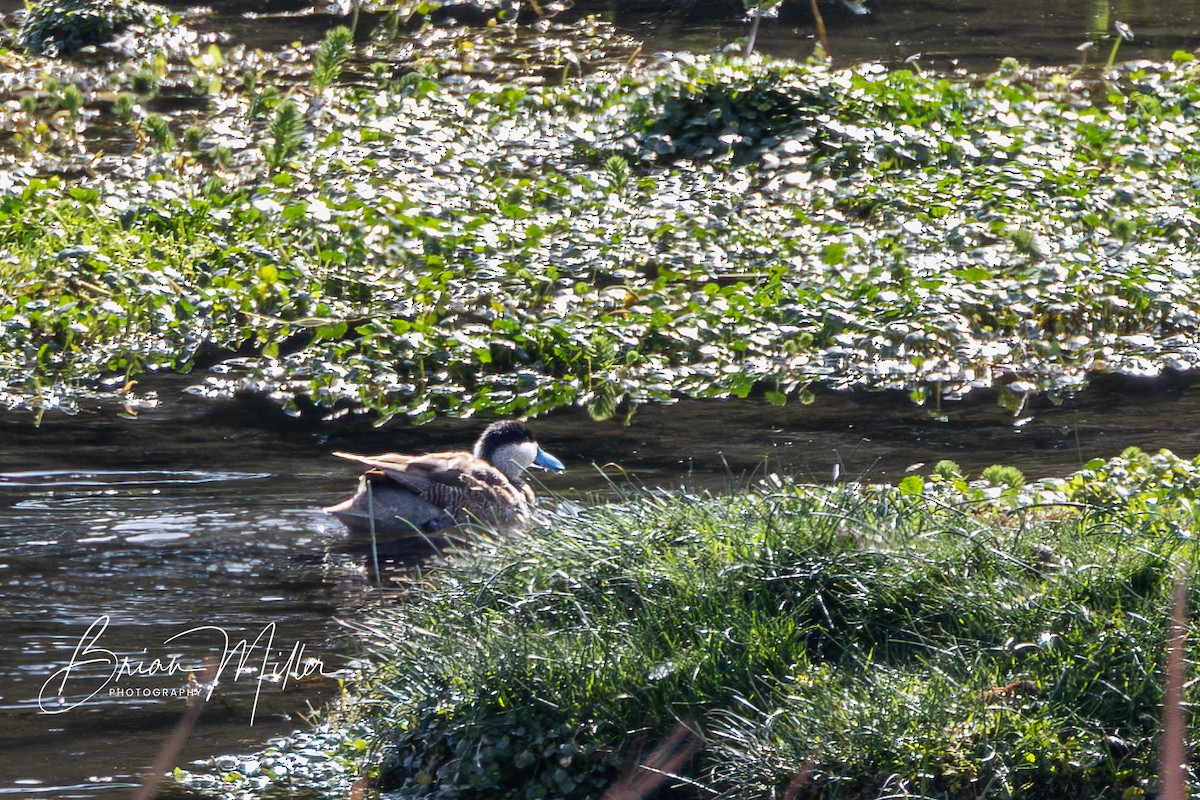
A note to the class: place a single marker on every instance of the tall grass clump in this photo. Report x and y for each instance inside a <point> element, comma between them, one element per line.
<point>815,642</point>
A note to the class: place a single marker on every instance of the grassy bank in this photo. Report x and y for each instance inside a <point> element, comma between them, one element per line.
<point>506,221</point>
<point>946,638</point>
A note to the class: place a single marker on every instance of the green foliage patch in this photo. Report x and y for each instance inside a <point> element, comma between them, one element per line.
<point>61,27</point>
<point>429,242</point>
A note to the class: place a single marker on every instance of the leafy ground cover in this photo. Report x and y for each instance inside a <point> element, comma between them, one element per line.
<point>508,220</point>
<point>946,638</point>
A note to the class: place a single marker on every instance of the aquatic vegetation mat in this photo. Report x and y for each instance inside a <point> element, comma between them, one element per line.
<point>515,220</point>
<point>61,27</point>
<point>946,638</point>
<point>322,762</point>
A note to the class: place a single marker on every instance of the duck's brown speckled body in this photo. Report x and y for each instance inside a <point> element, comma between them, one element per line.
<point>433,494</point>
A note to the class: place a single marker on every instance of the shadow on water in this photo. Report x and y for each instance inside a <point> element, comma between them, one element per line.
<point>202,514</point>
<point>940,35</point>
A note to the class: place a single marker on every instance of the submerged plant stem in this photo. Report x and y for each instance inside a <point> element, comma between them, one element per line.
<point>820,22</point>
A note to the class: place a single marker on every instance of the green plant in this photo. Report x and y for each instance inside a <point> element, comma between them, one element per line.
<point>618,172</point>
<point>286,131</point>
<point>192,136</point>
<point>265,100</point>
<point>947,470</point>
<point>123,105</point>
<point>330,57</point>
<point>1123,34</point>
<point>72,99</point>
<point>704,228</point>
<point>1003,475</point>
<point>158,131</point>
<point>207,78</point>
<point>145,81</point>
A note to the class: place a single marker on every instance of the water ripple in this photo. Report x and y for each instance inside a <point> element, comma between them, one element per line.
<point>106,477</point>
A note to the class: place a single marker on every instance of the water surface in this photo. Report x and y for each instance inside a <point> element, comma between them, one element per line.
<point>196,531</point>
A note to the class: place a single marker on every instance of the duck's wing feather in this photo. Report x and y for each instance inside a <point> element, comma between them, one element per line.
<point>455,481</point>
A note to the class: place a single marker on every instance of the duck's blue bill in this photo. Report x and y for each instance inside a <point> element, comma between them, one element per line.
<point>547,461</point>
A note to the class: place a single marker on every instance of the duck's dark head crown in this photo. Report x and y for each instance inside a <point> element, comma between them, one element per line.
<point>499,434</point>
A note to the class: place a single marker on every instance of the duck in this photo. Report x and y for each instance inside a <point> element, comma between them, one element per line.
<point>436,494</point>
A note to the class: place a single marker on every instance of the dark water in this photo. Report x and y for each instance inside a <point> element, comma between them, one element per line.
<point>969,34</point>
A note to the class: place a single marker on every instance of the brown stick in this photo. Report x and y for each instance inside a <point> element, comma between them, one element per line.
<point>174,743</point>
<point>753,30</point>
<point>820,25</point>
<point>1172,755</point>
<point>661,766</point>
